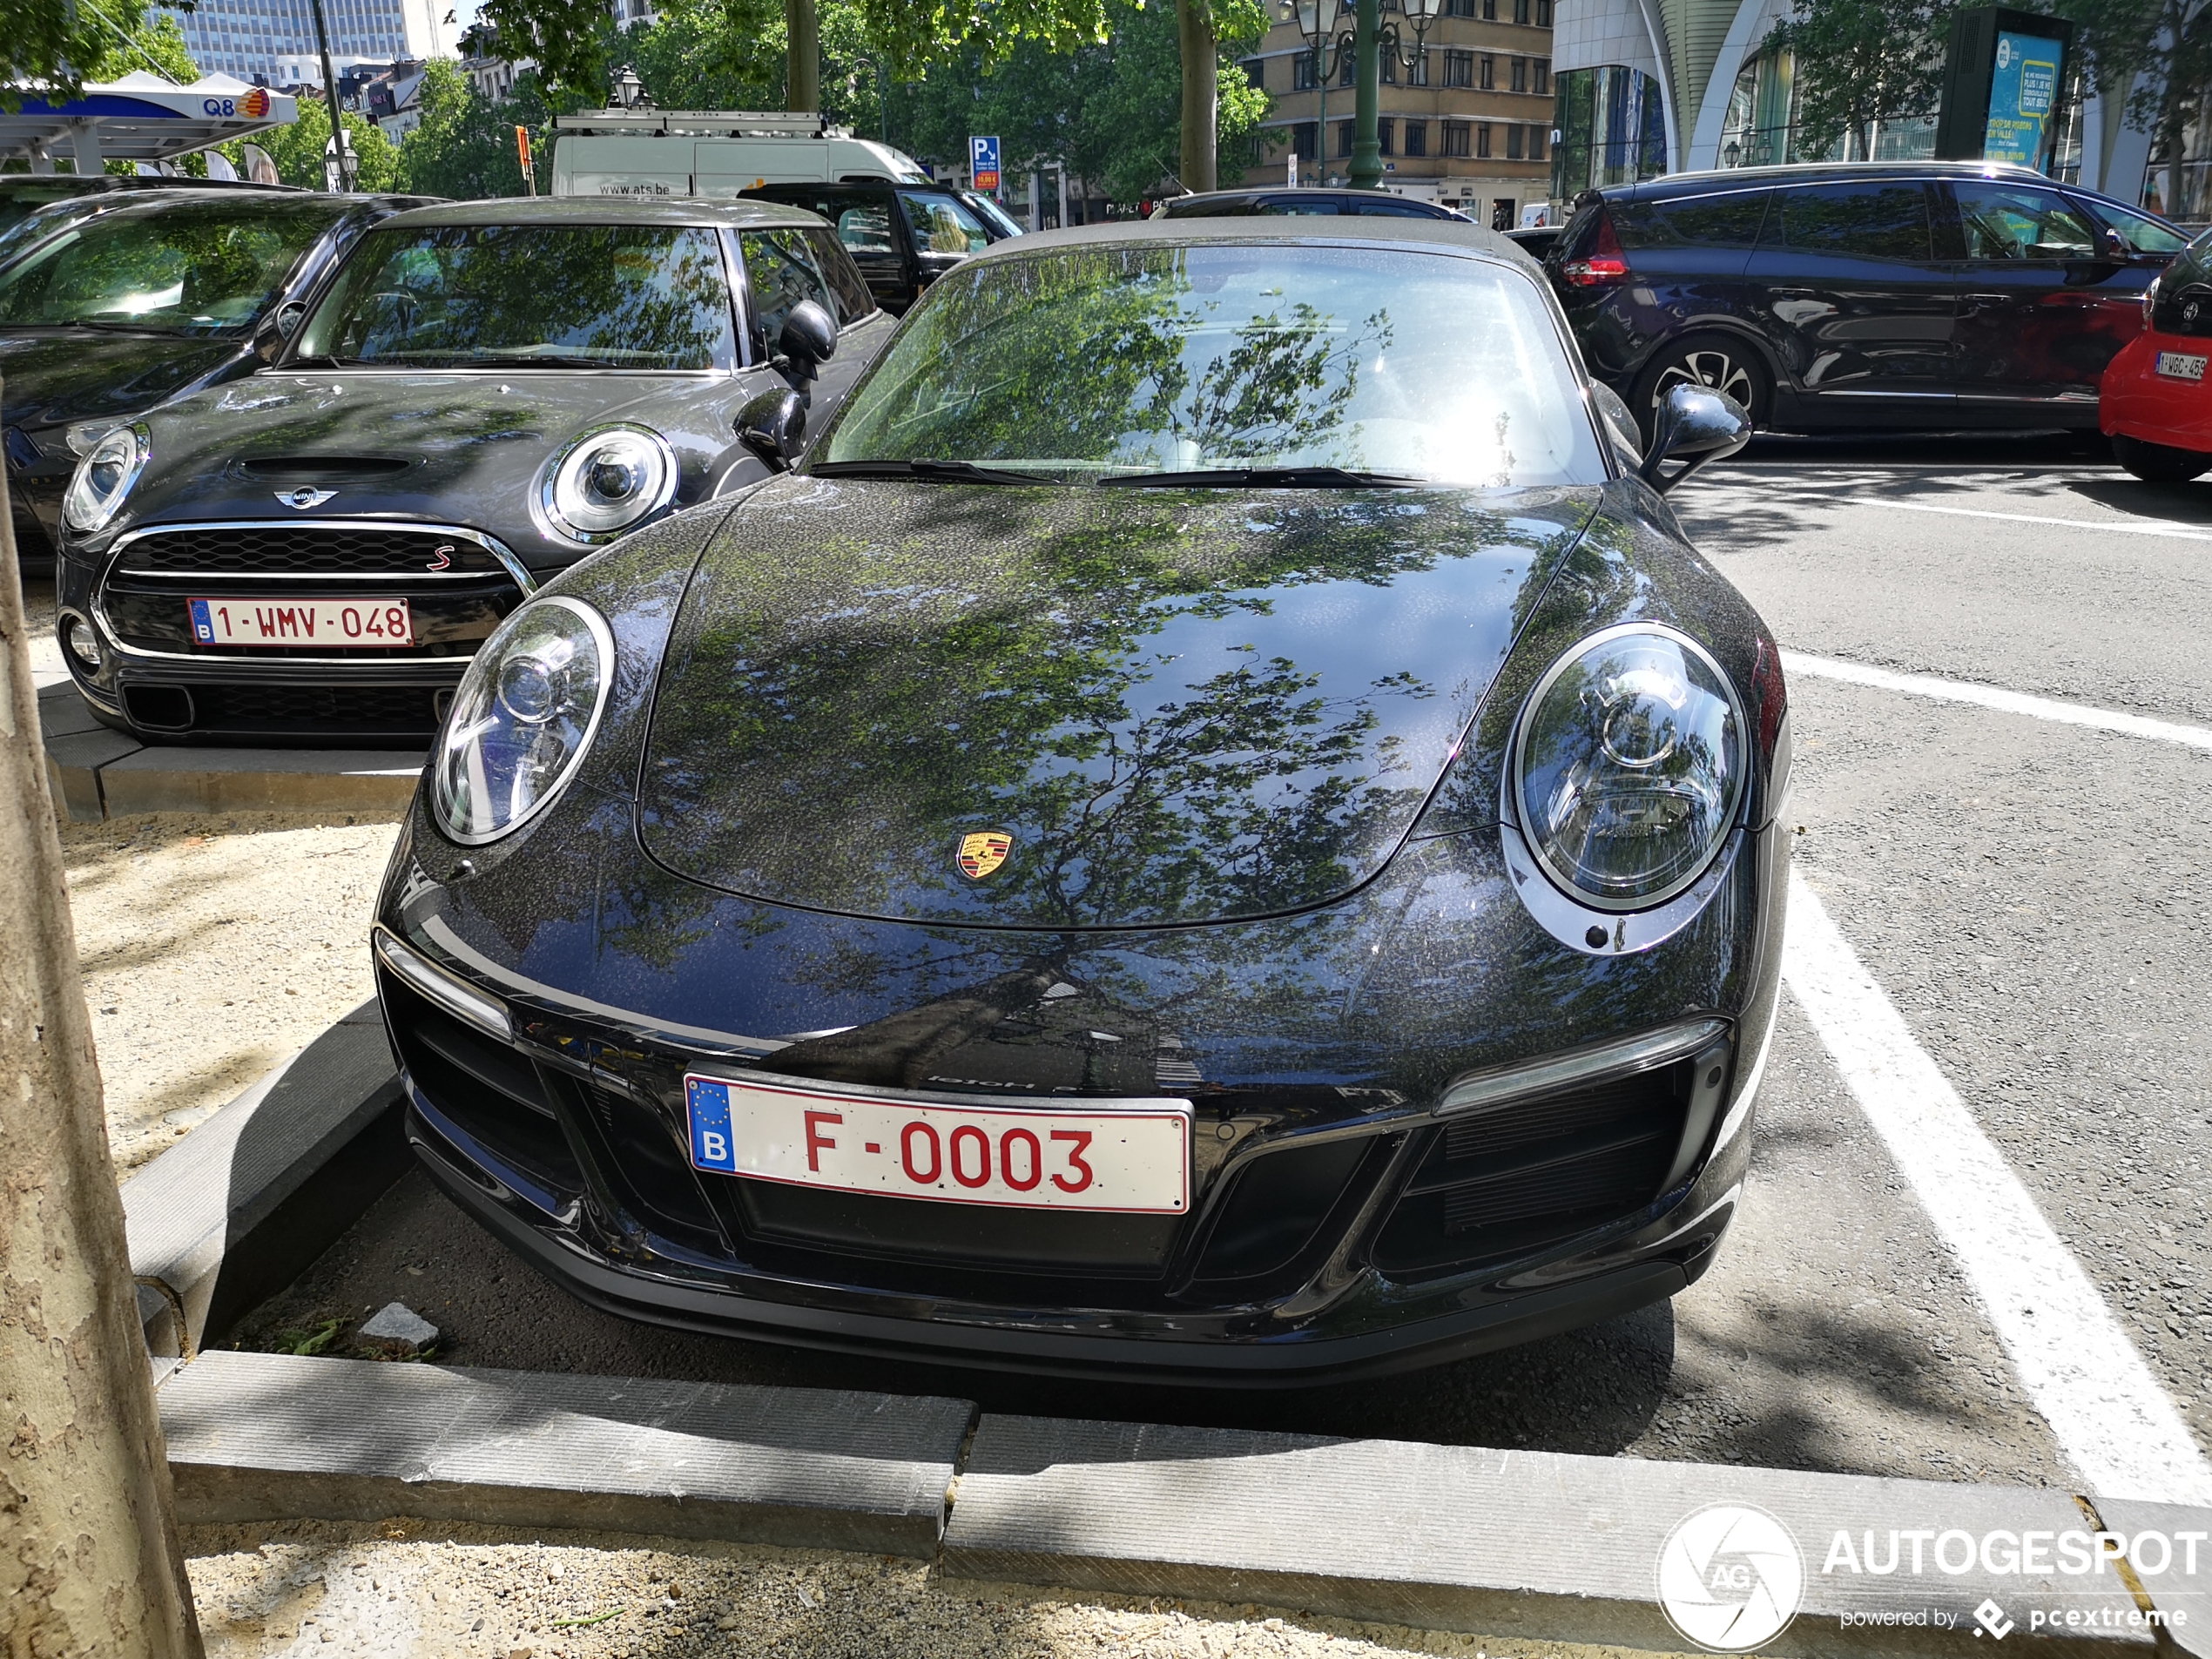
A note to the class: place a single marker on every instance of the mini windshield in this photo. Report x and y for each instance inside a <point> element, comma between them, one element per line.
<point>1342,364</point>
<point>189,267</point>
<point>522,296</point>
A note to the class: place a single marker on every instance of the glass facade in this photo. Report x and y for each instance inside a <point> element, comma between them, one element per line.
<point>272,42</point>
<point>1611,124</point>
<point>1763,127</point>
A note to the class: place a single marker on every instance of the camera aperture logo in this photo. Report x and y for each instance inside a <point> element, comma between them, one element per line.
<point>1730,1578</point>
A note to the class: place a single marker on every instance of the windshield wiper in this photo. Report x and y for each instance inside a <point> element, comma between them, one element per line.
<point>957,472</point>
<point>1268,478</point>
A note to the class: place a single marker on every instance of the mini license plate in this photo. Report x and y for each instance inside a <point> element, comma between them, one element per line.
<point>1132,1156</point>
<point>337,622</point>
<point>2180,366</point>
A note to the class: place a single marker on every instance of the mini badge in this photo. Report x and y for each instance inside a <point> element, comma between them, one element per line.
<point>982,852</point>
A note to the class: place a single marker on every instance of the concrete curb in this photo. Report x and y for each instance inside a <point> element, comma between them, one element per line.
<point>268,1436</point>
<point>97,772</point>
<point>239,1207</point>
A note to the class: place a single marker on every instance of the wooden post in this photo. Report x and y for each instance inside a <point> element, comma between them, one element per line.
<point>88,1557</point>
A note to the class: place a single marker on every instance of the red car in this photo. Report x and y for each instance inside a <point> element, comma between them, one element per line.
<point>2154,403</point>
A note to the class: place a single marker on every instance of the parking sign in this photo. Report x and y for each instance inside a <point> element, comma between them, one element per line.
<point>983,162</point>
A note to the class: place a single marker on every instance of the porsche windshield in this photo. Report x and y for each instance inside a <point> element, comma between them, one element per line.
<point>522,296</point>
<point>186,267</point>
<point>1305,364</point>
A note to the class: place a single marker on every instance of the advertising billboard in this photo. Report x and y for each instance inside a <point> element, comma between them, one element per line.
<point>2004,87</point>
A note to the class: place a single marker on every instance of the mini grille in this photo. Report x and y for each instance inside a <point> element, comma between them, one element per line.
<point>394,708</point>
<point>279,549</point>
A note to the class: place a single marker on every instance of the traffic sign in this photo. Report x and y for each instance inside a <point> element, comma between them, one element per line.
<point>983,162</point>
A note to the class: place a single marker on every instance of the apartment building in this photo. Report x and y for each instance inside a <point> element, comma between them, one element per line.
<point>1468,125</point>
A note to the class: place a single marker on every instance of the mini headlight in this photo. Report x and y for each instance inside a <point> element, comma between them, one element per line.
<point>522,719</point>
<point>104,477</point>
<point>1629,766</point>
<point>605,483</point>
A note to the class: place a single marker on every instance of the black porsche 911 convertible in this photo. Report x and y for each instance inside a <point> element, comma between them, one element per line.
<point>1215,829</point>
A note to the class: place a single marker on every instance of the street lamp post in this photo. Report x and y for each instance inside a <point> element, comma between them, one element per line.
<point>338,148</point>
<point>1377,37</point>
<point>1326,52</point>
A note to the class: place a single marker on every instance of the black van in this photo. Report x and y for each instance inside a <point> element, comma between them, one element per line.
<point>1927,294</point>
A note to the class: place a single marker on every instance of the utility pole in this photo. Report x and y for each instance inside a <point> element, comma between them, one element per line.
<point>330,91</point>
<point>1366,147</point>
<point>91,1562</point>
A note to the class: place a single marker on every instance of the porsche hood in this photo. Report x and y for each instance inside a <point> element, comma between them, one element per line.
<point>1079,708</point>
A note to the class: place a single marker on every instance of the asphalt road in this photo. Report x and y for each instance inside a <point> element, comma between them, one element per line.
<point>2029,895</point>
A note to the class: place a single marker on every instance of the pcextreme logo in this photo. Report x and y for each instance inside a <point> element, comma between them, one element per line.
<point>1730,1578</point>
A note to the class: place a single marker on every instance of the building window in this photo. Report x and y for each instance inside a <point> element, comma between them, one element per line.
<point>1482,141</point>
<point>1343,139</point>
<point>1302,76</point>
<point>1519,74</point>
<point>1418,75</point>
<point>1256,71</point>
<point>1306,141</point>
<point>1520,11</point>
<point>1458,139</point>
<point>1416,137</point>
<point>1513,143</point>
<point>1540,76</point>
<point>1390,69</point>
<point>1488,79</point>
<point>1489,11</point>
<point>1535,143</point>
<point>1543,14</point>
<point>1387,135</point>
<point>1458,68</point>
<point>1345,71</point>
<point>1458,7</point>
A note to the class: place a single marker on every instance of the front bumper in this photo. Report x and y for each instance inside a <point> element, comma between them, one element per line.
<point>1340,1227</point>
<point>2137,401</point>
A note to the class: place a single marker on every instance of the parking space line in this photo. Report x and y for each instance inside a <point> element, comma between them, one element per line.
<point>2115,1424</point>
<point>2179,532</point>
<point>1995,697</point>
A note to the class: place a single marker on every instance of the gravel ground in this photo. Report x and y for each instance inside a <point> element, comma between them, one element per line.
<point>213,947</point>
<point>395,1590</point>
<point>38,611</point>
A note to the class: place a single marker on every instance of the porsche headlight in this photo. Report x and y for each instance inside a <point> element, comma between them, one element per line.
<point>81,437</point>
<point>605,482</point>
<point>522,718</point>
<point>1629,766</point>
<point>104,477</point>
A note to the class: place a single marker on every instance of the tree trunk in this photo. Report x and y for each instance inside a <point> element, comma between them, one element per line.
<point>2171,100</point>
<point>803,55</point>
<point>1201,92</point>
<point>88,1559</point>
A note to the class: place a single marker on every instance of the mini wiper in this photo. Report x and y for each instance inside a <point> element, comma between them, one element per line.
<point>1267,478</point>
<point>955,472</point>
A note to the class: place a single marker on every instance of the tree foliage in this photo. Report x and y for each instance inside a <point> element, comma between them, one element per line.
<point>1860,60</point>
<point>298,149</point>
<point>2157,54</point>
<point>66,42</point>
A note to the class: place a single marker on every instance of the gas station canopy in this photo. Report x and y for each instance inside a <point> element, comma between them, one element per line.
<point>140,118</point>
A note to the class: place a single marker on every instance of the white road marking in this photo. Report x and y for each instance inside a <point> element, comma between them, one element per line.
<point>2180,532</point>
<point>1995,697</point>
<point>2114,1422</point>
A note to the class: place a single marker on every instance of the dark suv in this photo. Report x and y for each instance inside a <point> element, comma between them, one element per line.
<point>903,237</point>
<point>1912,294</point>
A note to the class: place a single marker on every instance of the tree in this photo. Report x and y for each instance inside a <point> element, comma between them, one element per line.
<point>464,147</point>
<point>2157,56</point>
<point>1858,61</point>
<point>298,149</point>
<point>1201,59</point>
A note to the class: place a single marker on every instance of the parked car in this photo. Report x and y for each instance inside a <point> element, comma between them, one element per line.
<point>25,230</point>
<point>167,291</point>
<point>1535,240</point>
<point>2155,405</point>
<point>1912,294</point>
<point>903,237</point>
<point>992,214</point>
<point>1373,203</point>
<point>1172,845</point>
<point>482,395</point>
<point>26,192</point>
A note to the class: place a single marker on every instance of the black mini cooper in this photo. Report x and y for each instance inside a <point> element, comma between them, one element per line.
<point>481,396</point>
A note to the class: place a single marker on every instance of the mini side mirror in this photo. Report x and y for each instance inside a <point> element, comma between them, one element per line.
<point>809,337</point>
<point>1694,425</point>
<point>772,426</point>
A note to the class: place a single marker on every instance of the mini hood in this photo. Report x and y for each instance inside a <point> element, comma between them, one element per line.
<point>1145,706</point>
<point>57,377</point>
<point>460,449</point>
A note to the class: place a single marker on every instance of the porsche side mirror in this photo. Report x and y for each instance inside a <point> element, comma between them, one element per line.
<point>809,337</point>
<point>772,426</point>
<point>1694,425</point>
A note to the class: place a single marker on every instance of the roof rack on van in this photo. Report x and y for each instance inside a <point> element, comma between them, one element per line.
<point>721,124</point>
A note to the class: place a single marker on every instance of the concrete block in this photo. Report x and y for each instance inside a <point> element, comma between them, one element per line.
<point>2181,1588</point>
<point>63,711</point>
<point>1515,1544</point>
<point>240,1206</point>
<point>265,1436</point>
<point>179,778</point>
<point>73,763</point>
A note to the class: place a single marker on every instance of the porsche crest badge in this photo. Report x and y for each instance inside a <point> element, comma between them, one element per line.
<point>982,852</point>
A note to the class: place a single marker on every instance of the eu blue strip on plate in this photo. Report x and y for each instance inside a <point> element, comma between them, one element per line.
<point>709,1104</point>
<point>202,628</point>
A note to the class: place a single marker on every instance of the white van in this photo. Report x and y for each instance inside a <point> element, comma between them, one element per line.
<point>712,152</point>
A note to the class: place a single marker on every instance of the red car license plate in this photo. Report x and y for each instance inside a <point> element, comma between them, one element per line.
<point>1119,1155</point>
